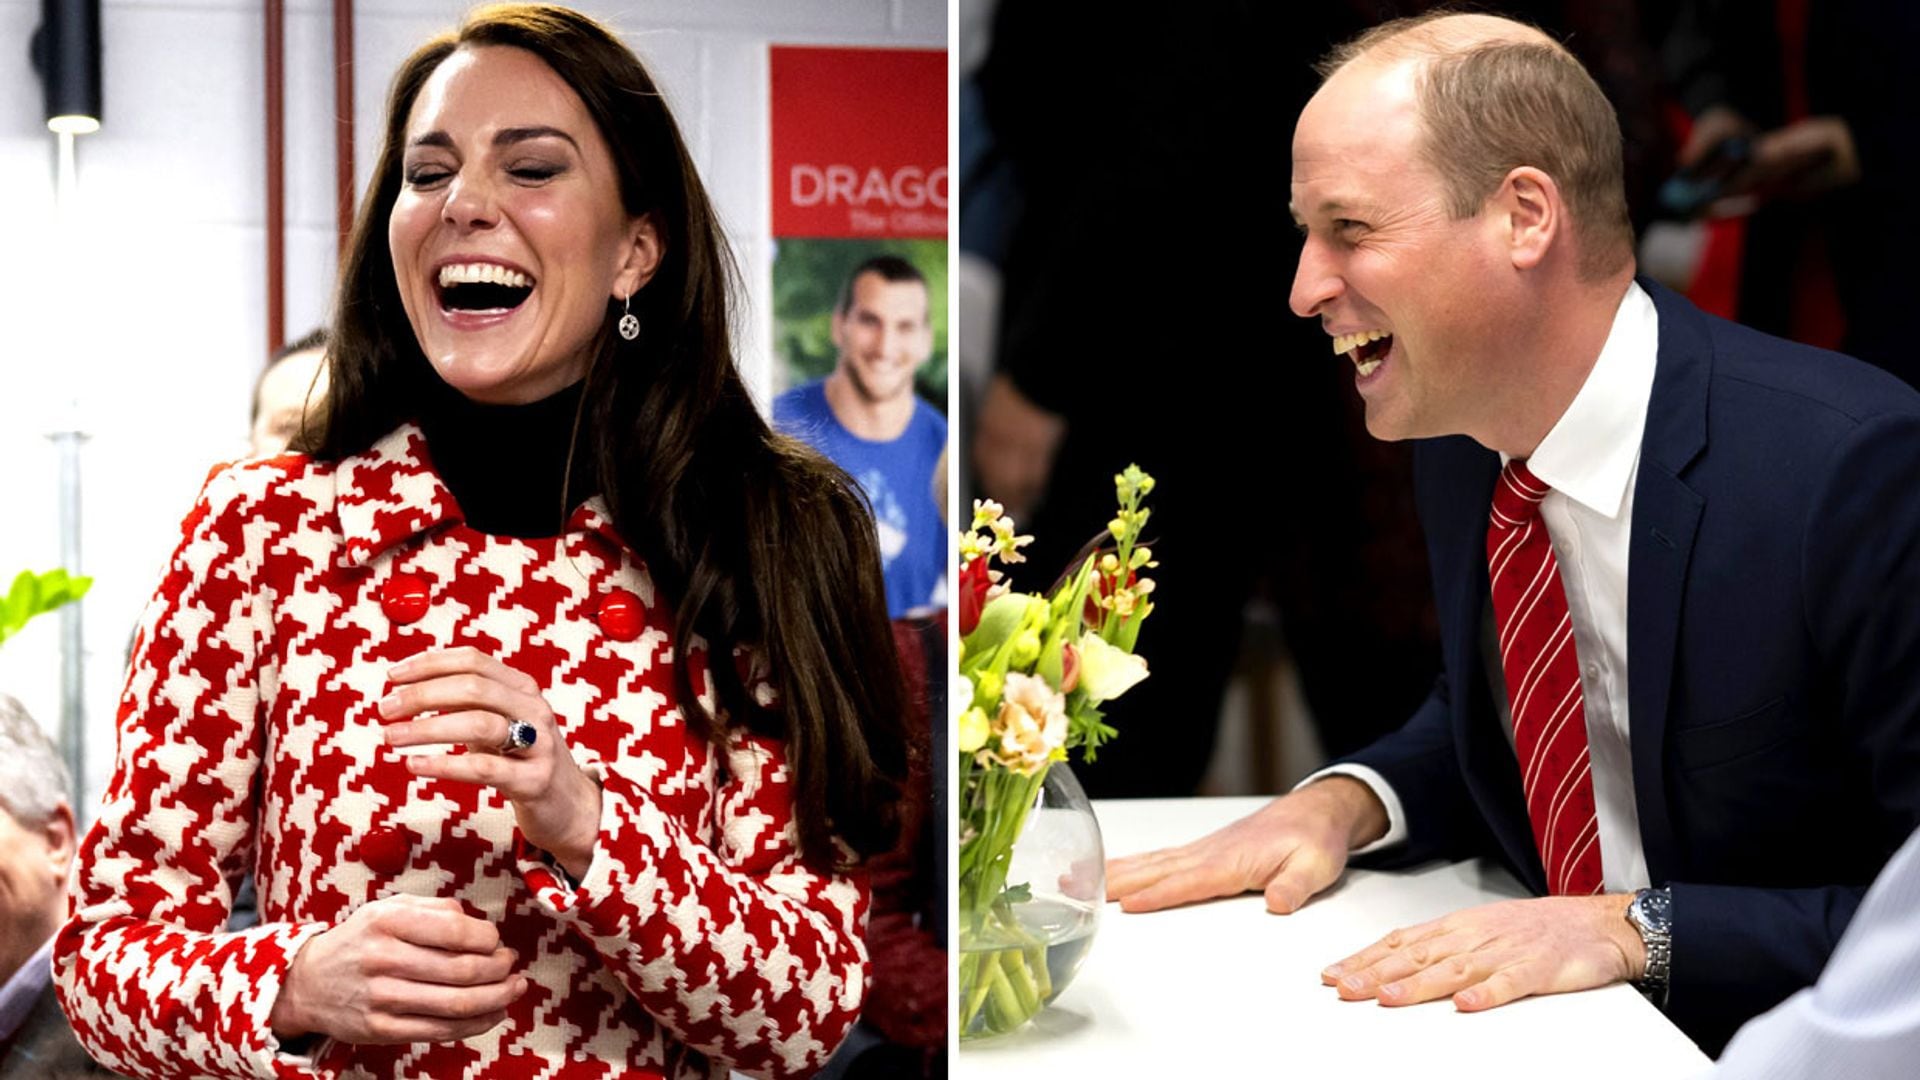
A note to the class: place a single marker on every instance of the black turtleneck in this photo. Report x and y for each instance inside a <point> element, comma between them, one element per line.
<point>505,464</point>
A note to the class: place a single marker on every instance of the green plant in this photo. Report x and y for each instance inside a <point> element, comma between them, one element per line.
<point>36,594</point>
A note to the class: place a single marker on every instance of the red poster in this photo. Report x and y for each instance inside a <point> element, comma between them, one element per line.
<point>859,142</point>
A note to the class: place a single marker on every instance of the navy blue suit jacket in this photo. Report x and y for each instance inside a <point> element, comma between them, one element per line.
<point>1773,656</point>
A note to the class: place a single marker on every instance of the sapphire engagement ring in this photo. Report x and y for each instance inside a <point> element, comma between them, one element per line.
<point>520,736</point>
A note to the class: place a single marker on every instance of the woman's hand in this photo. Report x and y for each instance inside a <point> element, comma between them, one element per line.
<point>402,969</point>
<point>474,698</point>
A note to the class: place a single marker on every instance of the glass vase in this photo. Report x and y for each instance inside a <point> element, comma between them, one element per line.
<point>1028,910</point>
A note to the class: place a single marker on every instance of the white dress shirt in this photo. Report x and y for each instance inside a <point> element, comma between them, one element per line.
<point>1589,459</point>
<point>1861,1021</point>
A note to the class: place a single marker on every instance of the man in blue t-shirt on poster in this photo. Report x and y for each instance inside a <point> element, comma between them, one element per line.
<point>866,417</point>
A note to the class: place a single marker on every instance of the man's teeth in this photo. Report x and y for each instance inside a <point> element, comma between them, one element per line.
<point>483,274</point>
<point>1346,343</point>
<point>1366,369</point>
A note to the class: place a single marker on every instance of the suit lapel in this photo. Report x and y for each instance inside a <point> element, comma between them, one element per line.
<point>1666,514</point>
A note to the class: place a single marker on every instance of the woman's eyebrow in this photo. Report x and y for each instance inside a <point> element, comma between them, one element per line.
<point>503,137</point>
<point>506,136</point>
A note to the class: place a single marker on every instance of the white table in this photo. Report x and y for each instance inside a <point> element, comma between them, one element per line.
<point>1226,989</point>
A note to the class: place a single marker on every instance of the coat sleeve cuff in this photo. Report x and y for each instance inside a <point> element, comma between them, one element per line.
<point>552,887</point>
<point>267,1057</point>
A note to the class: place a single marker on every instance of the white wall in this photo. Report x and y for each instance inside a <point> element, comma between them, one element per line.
<point>153,312</point>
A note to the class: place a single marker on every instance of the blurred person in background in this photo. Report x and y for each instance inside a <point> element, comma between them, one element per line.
<point>36,853</point>
<point>866,417</point>
<point>903,1029</point>
<point>1139,322</point>
<point>1805,120</point>
<point>292,389</point>
<point>546,693</point>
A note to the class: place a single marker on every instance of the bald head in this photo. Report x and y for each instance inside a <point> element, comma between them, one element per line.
<point>1428,36</point>
<point>1490,95</point>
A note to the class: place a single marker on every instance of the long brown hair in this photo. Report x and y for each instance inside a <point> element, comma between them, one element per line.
<point>757,539</point>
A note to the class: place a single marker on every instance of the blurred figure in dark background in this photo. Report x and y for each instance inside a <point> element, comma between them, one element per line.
<point>1811,111</point>
<point>1143,320</point>
<point>902,1033</point>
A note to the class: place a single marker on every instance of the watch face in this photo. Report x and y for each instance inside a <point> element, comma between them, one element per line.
<point>1654,909</point>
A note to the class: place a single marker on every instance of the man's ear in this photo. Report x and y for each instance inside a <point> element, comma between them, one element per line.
<point>59,834</point>
<point>1532,214</point>
<point>641,256</point>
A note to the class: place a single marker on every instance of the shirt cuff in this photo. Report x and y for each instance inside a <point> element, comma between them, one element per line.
<point>1396,816</point>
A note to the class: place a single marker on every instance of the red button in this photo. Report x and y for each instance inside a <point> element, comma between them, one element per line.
<point>386,850</point>
<point>404,598</point>
<point>621,615</point>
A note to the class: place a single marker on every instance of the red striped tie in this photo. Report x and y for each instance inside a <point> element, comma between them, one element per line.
<point>1543,685</point>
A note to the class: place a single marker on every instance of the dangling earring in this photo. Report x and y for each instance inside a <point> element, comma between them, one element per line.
<point>629,322</point>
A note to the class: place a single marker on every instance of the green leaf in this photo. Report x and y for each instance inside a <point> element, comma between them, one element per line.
<point>1128,633</point>
<point>999,621</point>
<point>1088,729</point>
<point>1053,661</point>
<point>1018,894</point>
<point>36,594</point>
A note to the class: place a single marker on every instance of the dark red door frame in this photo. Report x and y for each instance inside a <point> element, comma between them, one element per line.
<point>275,46</point>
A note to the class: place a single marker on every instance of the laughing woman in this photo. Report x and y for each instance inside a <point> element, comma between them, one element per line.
<point>528,693</point>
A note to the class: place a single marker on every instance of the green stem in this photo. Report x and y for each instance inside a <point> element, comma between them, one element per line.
<point>1014,963</point>
<point>1005,977</point>
<point>976,986</point>
<point>1042,976</point>
<point>1006,1001</point>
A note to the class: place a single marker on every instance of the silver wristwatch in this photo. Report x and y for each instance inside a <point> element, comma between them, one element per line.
<point>1651,913</point>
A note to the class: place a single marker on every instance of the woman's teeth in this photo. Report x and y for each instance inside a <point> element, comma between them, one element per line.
<point>482,287</point>
<point>483,274</point>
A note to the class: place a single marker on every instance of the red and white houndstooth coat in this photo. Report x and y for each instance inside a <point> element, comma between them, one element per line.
<point>250,743</point>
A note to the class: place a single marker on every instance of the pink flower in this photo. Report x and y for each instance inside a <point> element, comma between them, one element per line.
<point>1031,725</point>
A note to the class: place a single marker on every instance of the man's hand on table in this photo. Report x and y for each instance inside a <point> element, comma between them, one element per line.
<point>1291,849</point>
<point>1496,953</point>
<point>1297,845</point>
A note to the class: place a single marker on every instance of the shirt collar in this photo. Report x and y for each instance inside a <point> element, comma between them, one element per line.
<point>24,988</point>
<point>390,494</point>
<point>1590,453</point>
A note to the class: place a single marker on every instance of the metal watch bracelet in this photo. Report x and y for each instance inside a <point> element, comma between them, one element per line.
<point>1651,913</point>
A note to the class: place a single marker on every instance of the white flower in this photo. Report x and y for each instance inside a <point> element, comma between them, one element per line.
<point>986,512</point>
<point>1031,725</point>
<point>1107,672</point>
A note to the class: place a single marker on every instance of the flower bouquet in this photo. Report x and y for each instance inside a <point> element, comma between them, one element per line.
<point>1033,672</point>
